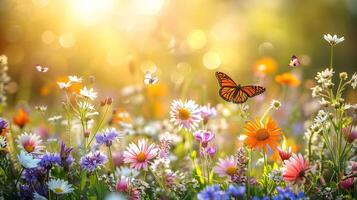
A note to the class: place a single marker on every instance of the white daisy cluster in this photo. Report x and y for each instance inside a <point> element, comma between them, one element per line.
<point>333,40</point>
<point>324,78</point>
<point>71,80</point>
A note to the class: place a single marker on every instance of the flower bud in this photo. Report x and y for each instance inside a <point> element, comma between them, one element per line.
<point>86,133</point>
<point>343,75</point>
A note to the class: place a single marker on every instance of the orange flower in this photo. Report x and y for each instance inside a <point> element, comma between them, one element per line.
<point>264,66</point>
<point>262,136</point>
<point>21,118</point>
<point>287,79</point>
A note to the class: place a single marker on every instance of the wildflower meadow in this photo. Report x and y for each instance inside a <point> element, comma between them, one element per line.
<point>282,128</point>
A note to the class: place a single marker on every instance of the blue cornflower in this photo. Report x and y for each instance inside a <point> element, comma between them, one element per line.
<point>211,193</point>
<point>287,193</point>
<point>4,127</point>
<point>107,136</point>
<point>235,191</point>
<point>93,160</point>
<point>34,175</point>
<point>50,159</point>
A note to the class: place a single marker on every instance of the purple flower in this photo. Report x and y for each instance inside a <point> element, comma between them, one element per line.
<point>25,192</point>
<point>4,127</point>
<point>50,159</point>
<point>35,175</point>
<point>207,112</point>
<point>211,151</point>
<point>93,160</point>
<point>234,191</point>
<point>203,137</point>
<point>107,136</point>
<point>211,193</point>
<point>66,158</point>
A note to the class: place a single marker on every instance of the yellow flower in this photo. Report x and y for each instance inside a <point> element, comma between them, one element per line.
<point>287,79</point>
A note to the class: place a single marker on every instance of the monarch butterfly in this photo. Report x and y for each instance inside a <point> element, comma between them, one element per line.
<point>232,92</point>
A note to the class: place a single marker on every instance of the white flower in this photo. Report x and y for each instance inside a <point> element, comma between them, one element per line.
<point>275,104</point>
<point>316,91</point>
<point>3,60</point>
<point>30,143</point>
<point>27,161</point>
<point>321,117</point>
<point>115,196</point>
<point>325,78</point>
<point>41,108</point>
<point>88,93</point>
<point>40,68</point>
<point>323,102</point>
<point>37,196</point>
<point>127,172</point>
<point>150,79</point>
<point>333,40</point>
<point>3,142</point>
<point>354,80</point>
<point>75,79</point>
<point>85,106</point>
<point>185,114</point>
<point>54,118</point>
<point>64,85</point>
<point>60,186</point>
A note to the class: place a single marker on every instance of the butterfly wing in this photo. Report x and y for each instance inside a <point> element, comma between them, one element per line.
<point>224,80</point>
<point>252,90</point>
<point>233,95</point>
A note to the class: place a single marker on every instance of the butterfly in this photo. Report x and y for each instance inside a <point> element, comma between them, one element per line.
<point>232,92</point>
<point>150,79</point>
<point>294,61</point>
<point>39,68</point>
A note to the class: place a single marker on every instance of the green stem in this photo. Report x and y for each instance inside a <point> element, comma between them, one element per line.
<point>331,57</point>
<point>111,160</point>
<point>98,126</point>
<point>18,178</point>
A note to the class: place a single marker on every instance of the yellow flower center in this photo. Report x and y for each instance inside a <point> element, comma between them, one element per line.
<point>262,134</point>
<point>231,170</point>
<point>141,157</point>
<point>29,148</point>
<point>58,190</point>
<point>184,114</point>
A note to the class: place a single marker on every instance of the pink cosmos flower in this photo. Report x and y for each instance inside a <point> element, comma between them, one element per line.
<point>295,168</point>
<point>204,137</point>
<point>140,155</point>
<point>226,167</point>
<point>30,143</point>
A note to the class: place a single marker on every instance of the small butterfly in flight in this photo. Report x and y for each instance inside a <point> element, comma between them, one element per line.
<point>232,92</point>
<point>294,61</point>
<point>39,68</point>
<point>150,79</point>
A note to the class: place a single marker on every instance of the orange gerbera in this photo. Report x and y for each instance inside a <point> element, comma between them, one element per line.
<point>262,135</point>
<point>287,79</point>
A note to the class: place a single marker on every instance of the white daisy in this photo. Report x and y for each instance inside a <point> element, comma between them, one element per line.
<point>60,186</point>
<point>54,118</point>
<point>321,117</point>
<point>64,85</point>
<point>85,106</point>
<point>75,79</point>
<point>333,40</point>
<point>30,143</point>
<point>88,93</point>
<point>185,114</point>
<point>27,160</point>
<point>316,90</point>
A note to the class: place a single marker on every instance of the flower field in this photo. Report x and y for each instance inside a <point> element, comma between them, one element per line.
<point>135,130</point>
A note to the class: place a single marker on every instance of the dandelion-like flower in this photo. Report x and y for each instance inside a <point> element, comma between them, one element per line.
<point>107,136</point>
<point>226,167</point>
<point>262,136</point>
<point>29,142</point>
<point>295,168</point>
<point>333,40</point>
<point>185,114</point>
<point>88,93</point>
<point>27,160</point>
<point>140,155</point>
<point>60,186</point>
<point>92,161</point>
<point>275,104</point>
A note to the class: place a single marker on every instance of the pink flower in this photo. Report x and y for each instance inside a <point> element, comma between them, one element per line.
<point>140,155</point>
<point>30,143</point>
<point>347,183</point>
<point>185,114</point>
<point>226,167</point>
<point>295,168</point>
<point>211,151</point>
<point>204,137</point>
<point>284,155</point>
<point>118,159</point>
<point>350,133</point>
